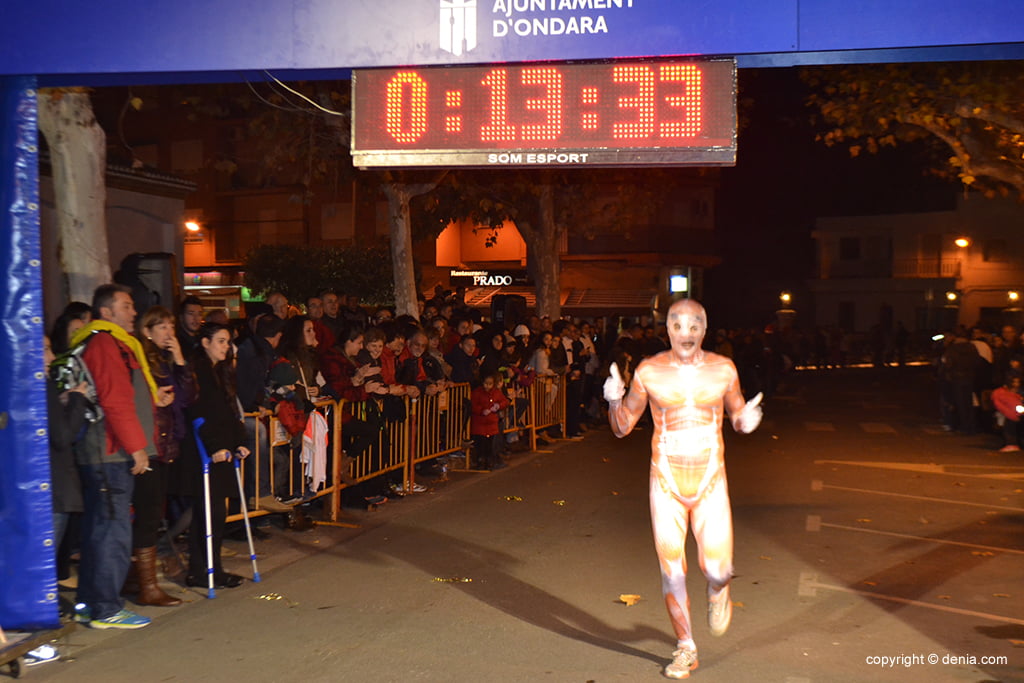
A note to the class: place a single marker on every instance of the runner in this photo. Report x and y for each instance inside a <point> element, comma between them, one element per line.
<point>687,388</point>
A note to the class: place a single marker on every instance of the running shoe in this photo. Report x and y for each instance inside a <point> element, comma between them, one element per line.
<point>684,660</point>
<point>124,619</point>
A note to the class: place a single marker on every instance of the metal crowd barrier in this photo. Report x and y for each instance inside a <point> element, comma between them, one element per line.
<point>433,426</point>
<point>547,402</point>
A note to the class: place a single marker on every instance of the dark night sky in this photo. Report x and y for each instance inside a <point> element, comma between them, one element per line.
<point>783,180</point>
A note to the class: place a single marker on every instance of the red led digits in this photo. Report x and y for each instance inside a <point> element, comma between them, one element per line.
<point>498,129</point>
<point>644,102</point>
<point>405,119</point>
<point>453,122</point>
<point>551,79</point>
<point>689,103</point>
<point>588,119</point>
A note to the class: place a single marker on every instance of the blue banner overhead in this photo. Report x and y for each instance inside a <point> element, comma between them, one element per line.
<point>52,37</point>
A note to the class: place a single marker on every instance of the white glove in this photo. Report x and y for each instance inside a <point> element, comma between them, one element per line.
<point>750,417</point>
<point>614,387</point>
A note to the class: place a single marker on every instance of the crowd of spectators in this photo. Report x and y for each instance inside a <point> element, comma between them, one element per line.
<point>167,388</point>
<point>978,374</point>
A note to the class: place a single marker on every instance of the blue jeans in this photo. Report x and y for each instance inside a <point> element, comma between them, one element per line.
<point>106,536</point>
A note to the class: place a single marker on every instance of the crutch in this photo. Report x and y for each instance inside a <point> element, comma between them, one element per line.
<point>245,516</point>
<point>196,424</point>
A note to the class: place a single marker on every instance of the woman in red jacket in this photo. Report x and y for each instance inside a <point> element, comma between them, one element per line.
<point>487,400</point>
<point>354,382</point>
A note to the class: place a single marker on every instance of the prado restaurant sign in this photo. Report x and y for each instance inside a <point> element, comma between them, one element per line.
<point>489,278</point>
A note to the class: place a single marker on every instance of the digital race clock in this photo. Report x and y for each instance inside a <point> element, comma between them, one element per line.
<point>637,113</point>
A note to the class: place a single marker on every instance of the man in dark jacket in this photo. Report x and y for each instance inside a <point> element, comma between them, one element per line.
<point>464,361</point>
<point>421,369</point>
<point>256,355</point>
<point>960,365</point>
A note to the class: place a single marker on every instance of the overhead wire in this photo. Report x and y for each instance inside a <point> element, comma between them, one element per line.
<point>267,102</point>
<point>296,92</point>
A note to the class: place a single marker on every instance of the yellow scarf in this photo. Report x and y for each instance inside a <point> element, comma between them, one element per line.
<point>123,337</point>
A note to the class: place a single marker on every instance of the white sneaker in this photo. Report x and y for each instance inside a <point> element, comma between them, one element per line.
<point>719,612</point>
<point>684,660</point>
<point>41,655</point>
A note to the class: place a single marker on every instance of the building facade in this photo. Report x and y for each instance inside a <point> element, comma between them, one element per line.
<point>929,271</point>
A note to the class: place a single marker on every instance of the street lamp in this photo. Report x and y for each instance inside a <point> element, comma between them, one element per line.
<point>192,226</point>
<point>962,242</point>
<point>785,298</point>
<point>1013,297</point>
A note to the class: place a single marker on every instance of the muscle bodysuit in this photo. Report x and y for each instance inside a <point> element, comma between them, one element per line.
<point>689,391</point>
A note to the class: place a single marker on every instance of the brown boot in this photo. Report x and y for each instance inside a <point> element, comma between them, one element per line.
<point>150,592</point>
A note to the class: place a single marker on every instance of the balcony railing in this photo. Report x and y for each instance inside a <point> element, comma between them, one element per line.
<point>911,268</point>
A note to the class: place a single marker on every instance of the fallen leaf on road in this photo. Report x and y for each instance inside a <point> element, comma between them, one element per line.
<point>1000,595</point>
<point>870,583</point>
<point>738,604</point>
<point>864,520</point>
<point>276,596</point>
<point>558,502</point>
<point>629,599</point>
<point>615,493</point>
<point>453,579</point>
<point>959,483</point>
<point>765,557</point>
<point>925,520</point>
<point>983,553</point>
<point>945,597</point>
<point>512,499</point>
<point>606,459</point>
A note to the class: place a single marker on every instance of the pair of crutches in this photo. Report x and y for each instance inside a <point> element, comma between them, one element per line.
<point>207,461</point>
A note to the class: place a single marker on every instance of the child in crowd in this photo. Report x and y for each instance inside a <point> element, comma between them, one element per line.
<point>1009,402</point>
<point>487,400</point>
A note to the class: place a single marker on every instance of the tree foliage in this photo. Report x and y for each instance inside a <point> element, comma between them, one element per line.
<point>972,111</point>
<point>300,271</point>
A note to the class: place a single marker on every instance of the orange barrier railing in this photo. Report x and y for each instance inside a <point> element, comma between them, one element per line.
<point>397,436</point>
<point>547,402</point>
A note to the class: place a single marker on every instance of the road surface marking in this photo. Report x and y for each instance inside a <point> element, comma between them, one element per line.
<point>877,428</point>
<point>809,586</point>
<point>934,430</point>
<point>818,486</point>
<point>814,523</point>
<point>1007,472</point>
<point>819,426</point>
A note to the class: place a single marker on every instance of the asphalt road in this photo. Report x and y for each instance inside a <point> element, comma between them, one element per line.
<point>863,532</point>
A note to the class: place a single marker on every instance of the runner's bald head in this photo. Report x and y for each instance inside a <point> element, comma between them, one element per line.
<point>689,307</point>
<point>686,322</point>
